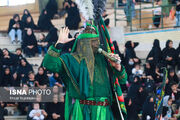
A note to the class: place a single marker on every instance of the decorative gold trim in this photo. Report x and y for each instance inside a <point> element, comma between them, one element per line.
<point>53,53</point>
<point>67,71</point>
<point>121,77</point>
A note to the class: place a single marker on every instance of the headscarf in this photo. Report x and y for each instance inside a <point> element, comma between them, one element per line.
<point>165,101</point>
<point>156,43</point>
<point>148,107</point>
<point>167,43</point>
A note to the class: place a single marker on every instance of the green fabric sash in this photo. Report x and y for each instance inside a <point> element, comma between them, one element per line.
<point>77,112</point>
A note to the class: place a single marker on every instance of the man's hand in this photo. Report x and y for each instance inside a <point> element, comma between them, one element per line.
<point>114,64</point>
<point>63,36</point>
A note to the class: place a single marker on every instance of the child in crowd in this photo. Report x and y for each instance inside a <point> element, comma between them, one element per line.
<point>167,112</point>
<point>42,45</point>
<point>137,70</point>
<point>31,79</point>
<point>36,113</point>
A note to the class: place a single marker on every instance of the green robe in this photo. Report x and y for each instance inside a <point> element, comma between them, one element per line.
<point>78,85</point>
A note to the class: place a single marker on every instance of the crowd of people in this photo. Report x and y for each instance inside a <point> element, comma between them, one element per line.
<point>15,71</point>
<point>142,87</point>
<point>143,83</point>
<point>22,30</point>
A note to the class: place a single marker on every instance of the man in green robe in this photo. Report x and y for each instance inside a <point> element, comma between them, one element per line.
<point>84,72</point>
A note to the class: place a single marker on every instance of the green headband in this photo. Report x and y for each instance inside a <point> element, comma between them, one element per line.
<point>86,35</point>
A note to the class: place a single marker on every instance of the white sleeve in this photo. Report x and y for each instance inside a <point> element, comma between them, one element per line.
<point>31,114</point>
<point>141,72</point>
<point>42,117</point>
<point>133,71</point>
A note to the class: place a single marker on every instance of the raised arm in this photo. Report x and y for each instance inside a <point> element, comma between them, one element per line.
<point>51,60</point>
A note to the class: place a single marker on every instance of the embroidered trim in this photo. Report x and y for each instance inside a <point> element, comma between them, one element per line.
<point>53,53</point>
<point>73,82</point>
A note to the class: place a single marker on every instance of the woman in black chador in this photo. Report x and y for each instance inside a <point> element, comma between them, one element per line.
<point>73,19</point>
<point>9,60</point>
<point>148,109</point>
<point>154,56</point>
<point>130,56</point>
<point>52,36</point>
<point>23,70</point>
<point>44,22</point>
<point>178,56</point>
<point>7,78</point>
<point>26,14</point>
<point>118,52</point>
<point>169,54</point>
<point>42,78</point>
<point>29,23</point>
<point>29,43</point>
<point>52,8</point>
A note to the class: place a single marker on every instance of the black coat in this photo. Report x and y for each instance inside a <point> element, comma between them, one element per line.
<point>52,36</point>
<point>3,112</point>
<point>24,69</point>
<point>42,79</point>
<point>149,72</point>
<point>27,41</point>
<point>12,22</point>
<point>73,19</point>
<point>44,22</point>
<point>24,17</point>
<point>178,56</point>
<point>7,80</point>
<point>16,82</point>
<point>129,54</point>
<point>173,79</point>
<point>57,108</point>
<point>131,110</point>
<point>133,90</point>
<point>29,25</point>
<point>52,8</point>
<point>171,52</point>
<point>1,65</point>
<point>148,109</point>
<point>10,62</point>
<point>118,52</point>
<point>155,53</point>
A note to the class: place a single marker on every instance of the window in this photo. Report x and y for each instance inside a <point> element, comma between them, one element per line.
<point>15,2</point>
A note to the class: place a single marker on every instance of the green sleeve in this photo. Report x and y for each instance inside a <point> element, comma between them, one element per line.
<point>52,61</point>
<point>122,75</point>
